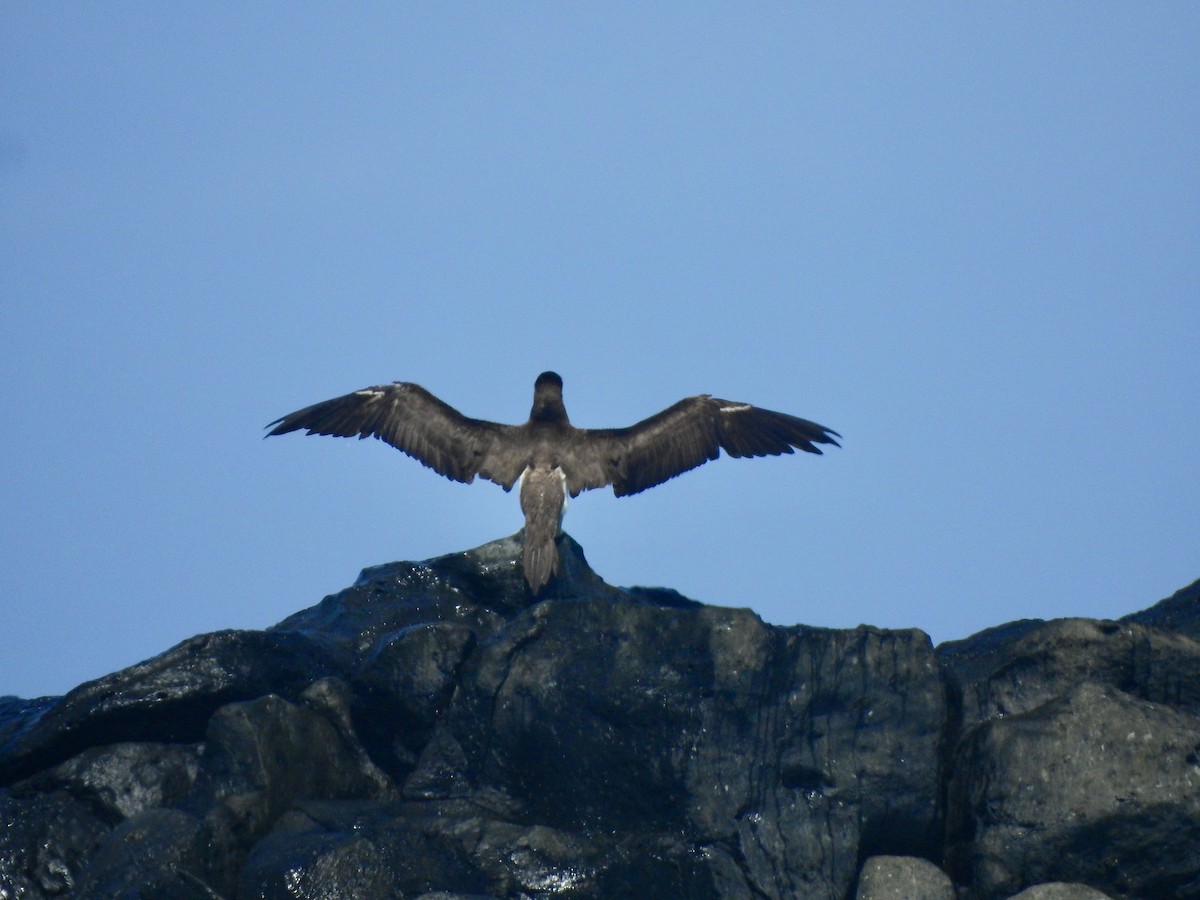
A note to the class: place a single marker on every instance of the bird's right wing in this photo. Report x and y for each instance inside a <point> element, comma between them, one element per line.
<point>413,420</point>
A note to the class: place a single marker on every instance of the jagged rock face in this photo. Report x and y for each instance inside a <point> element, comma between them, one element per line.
<point>431,731</point>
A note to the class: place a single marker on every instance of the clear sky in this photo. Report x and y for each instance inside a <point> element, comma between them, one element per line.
<point>966,236</point>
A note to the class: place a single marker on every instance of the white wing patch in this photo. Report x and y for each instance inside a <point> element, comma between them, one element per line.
<point>736,407</point>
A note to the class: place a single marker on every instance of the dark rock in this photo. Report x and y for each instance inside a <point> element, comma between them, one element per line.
<point>165,699</point>
<point>1049,659</point>
<point>412,846</point>
<point>976,657</point>
<point>121,780</point>
<point>18,715</point>
<point>156,854</point>
<point>1179,613</point>
<point>479,589</point>
<point>404,685</point>
<point>1041,681</point>
<point>1094,787</point>
<point>903,878</point>
<point>45,841</point>
<point>263,755</point>
<point>432,731</point>
<point>323,865</point>
<point>792,749</point>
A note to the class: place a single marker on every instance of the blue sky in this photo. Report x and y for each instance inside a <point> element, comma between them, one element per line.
<point>963,235</point>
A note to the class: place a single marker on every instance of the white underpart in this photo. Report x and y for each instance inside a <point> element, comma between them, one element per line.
<point>562,476</point>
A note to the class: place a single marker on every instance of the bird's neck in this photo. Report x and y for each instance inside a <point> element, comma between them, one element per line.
<point>548,410</point>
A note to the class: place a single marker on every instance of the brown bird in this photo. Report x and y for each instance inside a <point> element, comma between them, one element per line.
<point>548,455</point>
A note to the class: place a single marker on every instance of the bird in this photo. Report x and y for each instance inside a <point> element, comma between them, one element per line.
<point>549,457</point>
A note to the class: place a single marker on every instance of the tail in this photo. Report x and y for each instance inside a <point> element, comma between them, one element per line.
<point>543,499</point>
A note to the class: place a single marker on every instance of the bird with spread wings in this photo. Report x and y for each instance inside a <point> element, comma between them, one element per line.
<point>548,455</point>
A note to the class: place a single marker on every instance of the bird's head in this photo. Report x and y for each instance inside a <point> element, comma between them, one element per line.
<point>547,398</point>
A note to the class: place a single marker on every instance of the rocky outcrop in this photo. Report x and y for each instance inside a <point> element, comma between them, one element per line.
<point>431,731</point>
<point>1078,761</point>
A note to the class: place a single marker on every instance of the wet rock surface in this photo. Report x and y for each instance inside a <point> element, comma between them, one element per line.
<point>433,732</point>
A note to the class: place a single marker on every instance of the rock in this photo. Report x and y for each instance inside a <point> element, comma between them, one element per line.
<point>45,841</point>
<point>1046,660</point>
<point>323,865</point>
<point>772,743</point>
<point>1096,786</point>
<point>410,846</point>
<point>479,589</point>
<point>158,854</point>
<point>121,780</point>
<point>165,699</point>
<point>261,757</point>
<point>1179,613</point>
<point>404,685</point>
<point>595,718</point>
<point>1058,890</point>
<point>1059,685</point>
<point>433,732</point>
<point>976,657</point>
<point>903,878</point>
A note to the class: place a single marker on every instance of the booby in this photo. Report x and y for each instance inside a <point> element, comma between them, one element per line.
<point>549,456</point>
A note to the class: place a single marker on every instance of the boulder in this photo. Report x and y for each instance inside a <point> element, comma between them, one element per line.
<point>903,878</point>
<point>1096,786</point>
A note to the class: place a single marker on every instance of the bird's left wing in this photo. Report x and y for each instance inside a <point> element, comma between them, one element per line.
<point>413,420</point>
<point>684,436</point>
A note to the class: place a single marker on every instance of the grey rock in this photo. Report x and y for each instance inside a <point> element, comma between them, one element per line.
<point>1095,786</point>
<point>903,878</point>
<point>1059,890</point>
<point>1034,671</point>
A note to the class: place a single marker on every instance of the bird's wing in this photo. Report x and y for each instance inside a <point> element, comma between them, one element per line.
<point>684,436</point>
<point>413,420</point>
